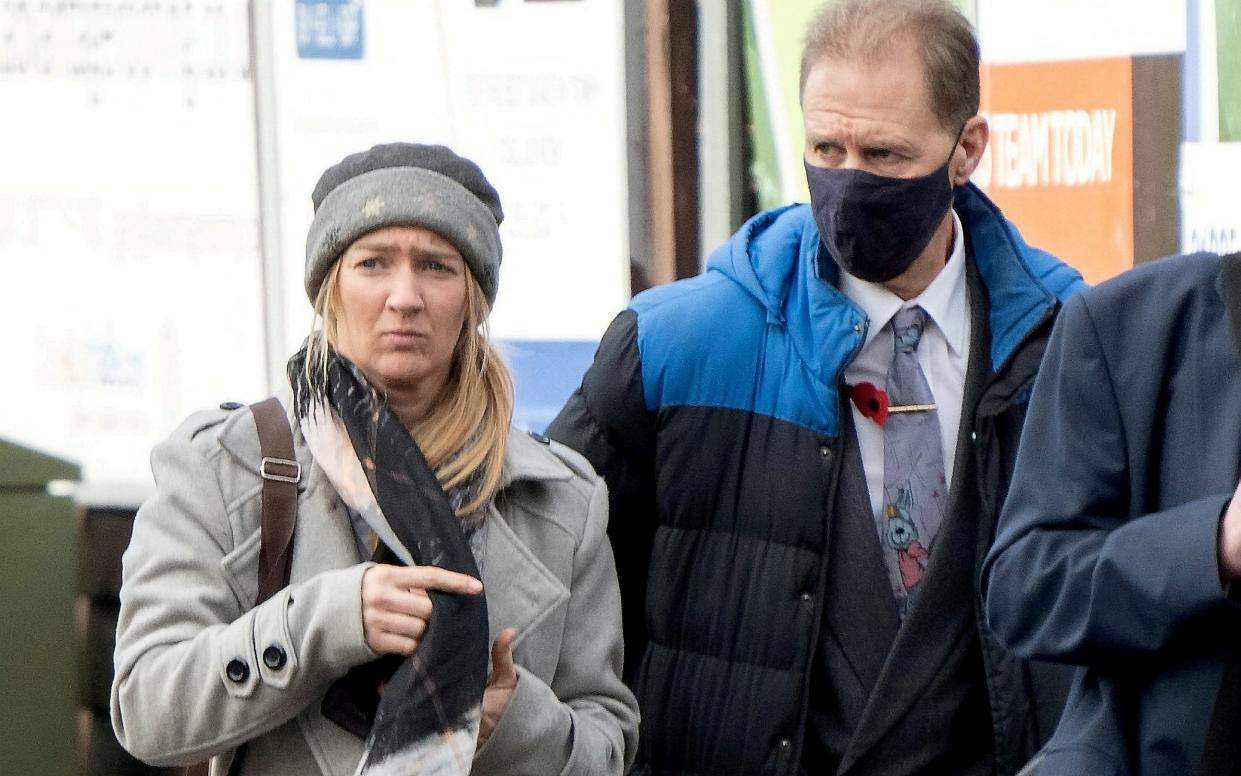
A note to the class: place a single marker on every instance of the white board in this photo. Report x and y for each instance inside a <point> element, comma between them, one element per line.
<point>130,292</point>
<point>1050,30</point>
<point>532,91</point>
<point>1210,218</point>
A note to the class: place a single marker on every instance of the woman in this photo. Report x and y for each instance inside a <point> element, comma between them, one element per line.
<point>396,387</point>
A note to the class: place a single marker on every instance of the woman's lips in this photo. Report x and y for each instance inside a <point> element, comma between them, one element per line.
<point>403,338</point>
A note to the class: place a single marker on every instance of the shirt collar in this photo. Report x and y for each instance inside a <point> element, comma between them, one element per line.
<point>943,300</point>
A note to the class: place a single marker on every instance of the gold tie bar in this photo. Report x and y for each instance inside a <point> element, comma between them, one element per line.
<point>912,408</point>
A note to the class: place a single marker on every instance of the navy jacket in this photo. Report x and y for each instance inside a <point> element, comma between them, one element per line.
<point>714,410</point>
<point>1106,553</point>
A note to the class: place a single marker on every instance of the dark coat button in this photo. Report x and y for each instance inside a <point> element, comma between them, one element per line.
<point>274,657</point>
<point>825,451</point>
<point>231,405</point>
<point>237,670</point>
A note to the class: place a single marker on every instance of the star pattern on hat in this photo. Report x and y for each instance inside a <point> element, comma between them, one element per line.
<point>373,207</point>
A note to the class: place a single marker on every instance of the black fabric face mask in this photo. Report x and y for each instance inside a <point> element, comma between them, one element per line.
<point>875,226</point>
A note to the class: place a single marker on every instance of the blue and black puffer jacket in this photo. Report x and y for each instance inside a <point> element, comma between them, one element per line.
<point>713,409</point>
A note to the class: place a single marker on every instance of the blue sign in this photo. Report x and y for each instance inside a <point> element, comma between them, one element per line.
<point>329,29</point>
<point>545,374</point>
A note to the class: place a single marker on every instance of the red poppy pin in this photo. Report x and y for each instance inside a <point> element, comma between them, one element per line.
<point>870,401</point>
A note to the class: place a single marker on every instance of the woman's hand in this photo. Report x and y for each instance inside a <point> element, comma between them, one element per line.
<point>396,607</point>
<point>500,684</point>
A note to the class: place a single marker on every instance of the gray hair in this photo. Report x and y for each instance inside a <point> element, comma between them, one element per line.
<point>864,30</point>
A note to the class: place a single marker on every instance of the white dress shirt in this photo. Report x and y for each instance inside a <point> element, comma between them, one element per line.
<point>943,353</point>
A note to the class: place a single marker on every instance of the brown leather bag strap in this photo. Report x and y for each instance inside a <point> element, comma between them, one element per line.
<point>280,472</point>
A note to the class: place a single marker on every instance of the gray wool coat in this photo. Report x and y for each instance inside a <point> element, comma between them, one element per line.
<point>190,580</point>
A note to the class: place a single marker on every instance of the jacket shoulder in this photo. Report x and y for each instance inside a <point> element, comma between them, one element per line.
<point>206,429</point>
<point>575,461</point>
<point>1165,284</point>
<point>551,482</point>
<point>227,440</point>
<point>698,299</point>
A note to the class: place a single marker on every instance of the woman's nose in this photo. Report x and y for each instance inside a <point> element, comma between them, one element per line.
<point>405,293</point>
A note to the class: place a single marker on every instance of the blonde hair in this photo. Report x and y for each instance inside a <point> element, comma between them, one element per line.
<point>466,431</point>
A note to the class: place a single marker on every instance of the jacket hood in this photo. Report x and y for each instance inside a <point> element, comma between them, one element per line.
<point>778,258</point>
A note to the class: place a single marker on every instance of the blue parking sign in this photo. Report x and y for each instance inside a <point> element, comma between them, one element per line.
<point>329,29</point>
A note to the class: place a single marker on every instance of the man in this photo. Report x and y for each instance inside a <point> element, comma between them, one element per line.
<point>798,575</point>
<point>1123,529</point>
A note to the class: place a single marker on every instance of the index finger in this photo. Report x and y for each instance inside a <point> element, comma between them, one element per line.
<point>436,578</point>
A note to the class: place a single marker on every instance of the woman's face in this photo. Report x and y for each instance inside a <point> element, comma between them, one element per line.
<point>402,306</point>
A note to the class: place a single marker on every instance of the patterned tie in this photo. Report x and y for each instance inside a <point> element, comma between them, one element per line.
<point>914,487</point>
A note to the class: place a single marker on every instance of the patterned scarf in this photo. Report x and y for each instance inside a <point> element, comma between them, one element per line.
<point>426,719</point>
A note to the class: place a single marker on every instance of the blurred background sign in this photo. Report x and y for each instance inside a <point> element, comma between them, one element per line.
<point>1061,154</point>
<point>132,286</point>
<point>1211,218</point>
<point>329,29</point>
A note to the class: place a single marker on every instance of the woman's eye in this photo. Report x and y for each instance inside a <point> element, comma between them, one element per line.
<point>371,263</point>
<point>438,266</point>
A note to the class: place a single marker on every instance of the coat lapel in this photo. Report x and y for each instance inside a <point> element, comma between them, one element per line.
<point>934,628</point>
<point>520,589</point>
<point>857,580</point>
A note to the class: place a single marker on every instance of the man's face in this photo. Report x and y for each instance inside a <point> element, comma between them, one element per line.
<point>874,117</point>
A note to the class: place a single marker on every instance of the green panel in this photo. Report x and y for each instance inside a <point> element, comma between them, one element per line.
<point>38,641</point>
<point>789,19</point>
<point>1228,44</point>
<point>764,167</point>
<point>24,468</point>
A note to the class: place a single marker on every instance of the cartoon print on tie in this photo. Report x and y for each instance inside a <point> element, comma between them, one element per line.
<point>902,536</point>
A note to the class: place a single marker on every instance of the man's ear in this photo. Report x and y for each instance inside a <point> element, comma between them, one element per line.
<point>969,150</point>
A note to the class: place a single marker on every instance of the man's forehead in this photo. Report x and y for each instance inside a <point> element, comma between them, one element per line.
<point>892,85</point>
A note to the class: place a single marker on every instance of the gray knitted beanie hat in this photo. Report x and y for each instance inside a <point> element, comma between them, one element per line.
<point>406,184</point>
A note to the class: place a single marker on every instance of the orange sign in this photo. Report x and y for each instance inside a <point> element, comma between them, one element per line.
<point>1060,160</point>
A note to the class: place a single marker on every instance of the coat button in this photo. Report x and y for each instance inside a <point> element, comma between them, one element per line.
<point>785,744</point>
<point>231,405</point>
<point>237,670</point>
<point>825,451</point>
<point>274,657</point>
<point>806,598</point>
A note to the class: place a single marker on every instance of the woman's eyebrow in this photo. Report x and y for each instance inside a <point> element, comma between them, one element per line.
<point>442,250</point>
